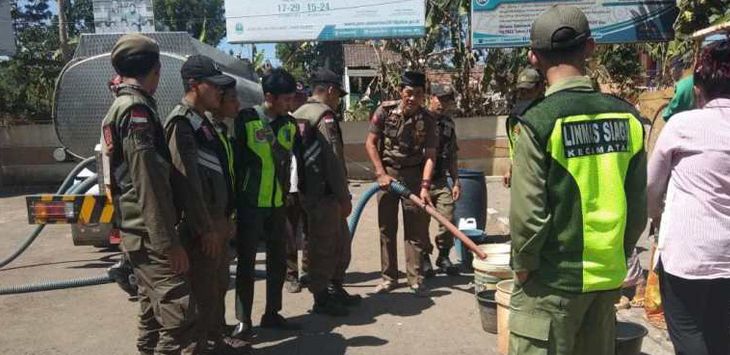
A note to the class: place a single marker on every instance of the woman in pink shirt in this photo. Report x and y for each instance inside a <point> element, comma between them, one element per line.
<point>690,165</point>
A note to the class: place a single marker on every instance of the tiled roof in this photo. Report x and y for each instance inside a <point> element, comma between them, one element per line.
<point>363,55</point>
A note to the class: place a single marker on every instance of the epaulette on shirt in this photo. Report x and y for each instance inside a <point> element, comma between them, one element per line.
<point>390,104</point>
<point>516,116</point>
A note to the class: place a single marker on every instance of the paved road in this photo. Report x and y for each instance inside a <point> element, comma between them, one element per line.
<point>100,319</point>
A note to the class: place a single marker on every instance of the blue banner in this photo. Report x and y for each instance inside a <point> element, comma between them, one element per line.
<point>507,23</point>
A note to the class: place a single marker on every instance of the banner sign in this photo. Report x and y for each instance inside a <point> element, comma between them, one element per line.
<point>250,21</point>
<point>506,23</point>
<point>117,16</point>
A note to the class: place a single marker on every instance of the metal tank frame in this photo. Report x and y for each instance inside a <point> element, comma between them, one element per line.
<point>82,97</point>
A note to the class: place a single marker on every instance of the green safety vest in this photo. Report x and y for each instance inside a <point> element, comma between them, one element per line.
<point>594,146</point>
<point>264,150</point>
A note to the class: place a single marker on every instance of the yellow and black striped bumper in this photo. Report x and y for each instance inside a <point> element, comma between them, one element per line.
<point>69,209</point>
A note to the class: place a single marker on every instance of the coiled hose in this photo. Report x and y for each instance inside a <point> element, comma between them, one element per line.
<point>67,183</point>
<point>103,279</point>
<point>66,187</point>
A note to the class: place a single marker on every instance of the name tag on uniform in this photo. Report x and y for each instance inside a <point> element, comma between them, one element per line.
<point>595,137</point>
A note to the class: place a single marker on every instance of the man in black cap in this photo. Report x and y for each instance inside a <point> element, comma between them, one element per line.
<point>137,167</point>
<point>402,146</point>
<point>578,199</point>
<point>325,195</point>
<point>203,188</point>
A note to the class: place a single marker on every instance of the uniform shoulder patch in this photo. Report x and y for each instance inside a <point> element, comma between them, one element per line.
<point>108,135</point>
<point>328,117</point>
<point>141,129</point>
<point>376,119</point>
<point>139,115</point>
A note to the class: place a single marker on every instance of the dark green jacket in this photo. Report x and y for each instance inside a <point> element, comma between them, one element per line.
<point>263,155</point>
<point>323,166</point>
<point>201,178</point>
<point>578,189</point>
<point>137,170</point>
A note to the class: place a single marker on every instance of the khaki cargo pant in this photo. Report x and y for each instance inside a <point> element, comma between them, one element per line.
<point>443,200</point>
<point>415,228</point>
<point>209,282</point>
<point>296,216</point>
<point>547,321</point>
<point>167,311</point>
<point>328,243</point>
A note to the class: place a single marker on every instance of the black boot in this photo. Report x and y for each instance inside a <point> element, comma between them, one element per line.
<point>426,267</point>
<point>445,265</point>
<point>342,296</point>
<point>325,303</point>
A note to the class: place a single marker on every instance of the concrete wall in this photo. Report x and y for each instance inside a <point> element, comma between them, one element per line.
<point>26,151</point>
<point>26,156</point>
<point>482,146</point>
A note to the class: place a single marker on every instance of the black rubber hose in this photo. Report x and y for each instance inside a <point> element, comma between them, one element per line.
<point>99,280</point>
<point>67,183</point>
<point>55,285</point>
<point>84,186</point>
<point>357,211</point>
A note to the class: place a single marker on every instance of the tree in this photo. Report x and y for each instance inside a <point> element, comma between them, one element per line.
<point>300,58</point>
<point>203,19</point>
<point>27,80</point>
<point>694,15</point>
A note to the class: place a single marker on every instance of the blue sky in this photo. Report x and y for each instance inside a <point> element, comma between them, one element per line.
<point>269,50</point>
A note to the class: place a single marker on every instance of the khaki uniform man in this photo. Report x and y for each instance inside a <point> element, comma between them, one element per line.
<point>530,89</point>
<point>402,145</point>
<point>442,195</point>
<point>202,159</point>
<point>326,196</point>
<point>137,174</point>
<point>578,199</point>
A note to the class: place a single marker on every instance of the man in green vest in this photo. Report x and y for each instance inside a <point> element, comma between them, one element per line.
<point>265,137</point>
<point>137,167</point>
<point>578,201</point>
<point>202,179</point>
<point>326,196</point>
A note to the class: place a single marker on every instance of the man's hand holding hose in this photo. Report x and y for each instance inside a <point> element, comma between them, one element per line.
<point>401,190</point>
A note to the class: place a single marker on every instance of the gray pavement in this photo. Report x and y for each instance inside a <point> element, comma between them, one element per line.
<point>100,319</point>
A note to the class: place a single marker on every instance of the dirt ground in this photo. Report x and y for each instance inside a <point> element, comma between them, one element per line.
<point>101,320</point>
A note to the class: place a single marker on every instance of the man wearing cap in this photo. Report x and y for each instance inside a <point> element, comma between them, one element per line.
<point>442,195</point>
<point>137,168</point>
<point>578,199</point>
<point>265,139</point>
<point>402,145</point>
<point>203,186</point>
<point>326,196</point>
<point>530,89</point>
